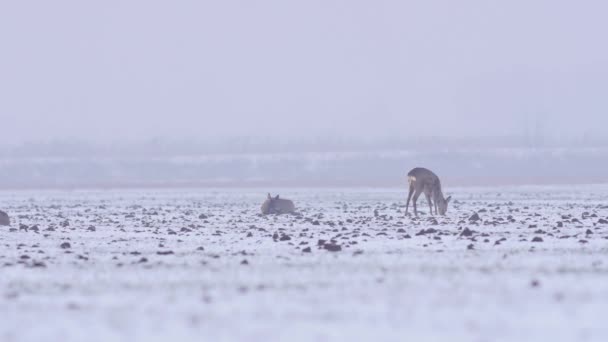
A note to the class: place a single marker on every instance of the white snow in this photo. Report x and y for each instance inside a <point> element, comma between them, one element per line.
<point>425,288</point>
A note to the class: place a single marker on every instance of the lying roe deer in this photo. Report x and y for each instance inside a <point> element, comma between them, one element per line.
<point>422,180</point>
<point>276,205</point>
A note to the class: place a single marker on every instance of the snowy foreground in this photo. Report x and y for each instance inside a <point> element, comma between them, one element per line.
<point>203,265</point>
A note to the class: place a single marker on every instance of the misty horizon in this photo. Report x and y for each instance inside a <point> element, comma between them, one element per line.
<point>250,145</point>
<point>301,93</point>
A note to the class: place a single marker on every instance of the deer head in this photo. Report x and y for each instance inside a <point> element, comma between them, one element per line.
<point>442,205</point>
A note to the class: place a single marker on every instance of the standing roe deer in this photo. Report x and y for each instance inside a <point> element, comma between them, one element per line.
<point>422,180</point>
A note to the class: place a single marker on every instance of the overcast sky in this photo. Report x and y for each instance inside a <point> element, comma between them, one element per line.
<point>130,70</point>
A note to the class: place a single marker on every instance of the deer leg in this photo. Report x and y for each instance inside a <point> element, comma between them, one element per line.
<point>436,205</point>
<point>416,195</point>
<point>409,197</point>
<point>428,200</point>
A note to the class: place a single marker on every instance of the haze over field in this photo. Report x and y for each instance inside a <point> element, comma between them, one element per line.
<point>117,71</point>
<point>248,170</point>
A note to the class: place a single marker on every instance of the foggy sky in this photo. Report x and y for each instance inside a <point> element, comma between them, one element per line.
<point>129,70</point>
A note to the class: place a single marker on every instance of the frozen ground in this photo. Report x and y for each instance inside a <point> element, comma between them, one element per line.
<point>203,265</point>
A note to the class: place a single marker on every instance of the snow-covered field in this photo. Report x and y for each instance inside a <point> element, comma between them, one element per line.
<point>203,265</point>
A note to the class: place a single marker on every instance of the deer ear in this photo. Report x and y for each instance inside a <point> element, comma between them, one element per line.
<point>447,200</point>
<point>276,197</point>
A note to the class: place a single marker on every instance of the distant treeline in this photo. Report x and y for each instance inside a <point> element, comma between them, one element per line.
<point>457,166</point>
<point>204,147</point>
